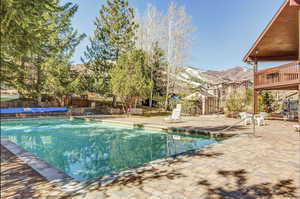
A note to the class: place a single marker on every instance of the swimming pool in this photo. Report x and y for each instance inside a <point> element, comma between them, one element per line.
<point>86,150</point>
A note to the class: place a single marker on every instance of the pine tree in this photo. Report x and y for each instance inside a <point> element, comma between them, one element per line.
<point>62,80</point>
<point>24,29</point>
<point>129,79</point>
<point>43,41</point>
<point>157,65</point>
<point>114,35</point>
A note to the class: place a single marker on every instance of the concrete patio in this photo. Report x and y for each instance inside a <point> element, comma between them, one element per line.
<point>266,165</point>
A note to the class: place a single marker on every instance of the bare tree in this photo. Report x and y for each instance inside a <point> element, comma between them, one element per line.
<point>173,32</point>
<point>178,40</point>
<point>150,29</point>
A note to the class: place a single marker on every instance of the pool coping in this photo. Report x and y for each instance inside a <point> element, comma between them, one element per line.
<point>70,185</point>
<point>42,167</point>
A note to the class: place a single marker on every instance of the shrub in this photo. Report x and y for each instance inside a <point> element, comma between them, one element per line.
<point>266,102</point>
<point>129,81</point>
<point>236,101</point>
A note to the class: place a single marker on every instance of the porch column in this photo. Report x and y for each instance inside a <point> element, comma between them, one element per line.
<point>254,90</point>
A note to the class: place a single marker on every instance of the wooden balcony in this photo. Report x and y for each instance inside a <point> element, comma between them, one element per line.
<point>284,77</point>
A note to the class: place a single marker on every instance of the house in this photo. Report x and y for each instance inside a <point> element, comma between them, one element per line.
<point>279,42</point>
<point>224,89</point>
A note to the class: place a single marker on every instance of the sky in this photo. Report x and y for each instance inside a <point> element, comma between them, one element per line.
<point>225,29</point>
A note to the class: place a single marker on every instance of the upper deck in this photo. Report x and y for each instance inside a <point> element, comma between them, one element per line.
<point>284,77</point>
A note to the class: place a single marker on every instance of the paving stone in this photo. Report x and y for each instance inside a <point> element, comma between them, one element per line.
<point>95,195</point>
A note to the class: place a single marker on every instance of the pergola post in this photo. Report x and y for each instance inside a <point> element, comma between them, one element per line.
<point>255,69</point>
<point>255,94</point>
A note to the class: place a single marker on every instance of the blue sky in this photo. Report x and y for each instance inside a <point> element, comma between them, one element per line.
<point>226,29</point>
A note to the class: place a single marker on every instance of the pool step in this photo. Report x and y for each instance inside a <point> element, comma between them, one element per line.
<point>147,126</point>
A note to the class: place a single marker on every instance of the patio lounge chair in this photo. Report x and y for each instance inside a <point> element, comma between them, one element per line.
<point>297,128</point>
<point>176,114</point>
<point>246,117</point>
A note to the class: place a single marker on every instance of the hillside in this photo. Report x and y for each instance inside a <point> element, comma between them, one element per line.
<point>196,76</point>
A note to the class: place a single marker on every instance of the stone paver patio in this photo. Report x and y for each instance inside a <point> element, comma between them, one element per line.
<point>20,181</point>
<point>263,166</point>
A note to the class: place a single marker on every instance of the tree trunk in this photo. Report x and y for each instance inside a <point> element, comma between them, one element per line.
<point>151,99</point>
<point>170,25</point>
<point>60,101</point>
<point>39,99</point>
<point>114,102</point>
<point>135,102</point>
<point>167,90</point>
<point>151,94</point>
<point>124,108</point>
<point>38,83</point>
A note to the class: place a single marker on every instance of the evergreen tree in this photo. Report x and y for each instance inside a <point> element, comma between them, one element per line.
<point>157,65</point>
<point>62,80</point>
<point>129,79</point>
<point>25,28</point>
<point>114,35</point>
<point>43,41</point>
<point>23,25</point>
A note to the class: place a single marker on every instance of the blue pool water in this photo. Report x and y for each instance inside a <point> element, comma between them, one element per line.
<point>86,150</point>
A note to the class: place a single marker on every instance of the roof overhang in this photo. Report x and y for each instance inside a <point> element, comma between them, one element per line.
<point>280,39</point>
<point>294,2</point>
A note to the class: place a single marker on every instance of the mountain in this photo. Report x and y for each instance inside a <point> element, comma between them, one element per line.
<point>233,74</point>
<point>197,76</point>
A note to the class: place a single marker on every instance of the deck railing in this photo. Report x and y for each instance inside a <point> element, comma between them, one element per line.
<point>278,76</point>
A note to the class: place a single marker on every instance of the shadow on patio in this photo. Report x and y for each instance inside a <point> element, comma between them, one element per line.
<point>236,187</point>
<point>150,174</point>
<point>154,173</point>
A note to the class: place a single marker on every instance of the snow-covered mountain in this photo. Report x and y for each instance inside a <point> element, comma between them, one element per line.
<point>197,76</point>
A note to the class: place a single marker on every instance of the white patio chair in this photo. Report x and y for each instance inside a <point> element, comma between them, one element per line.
<point>176,114</point>
<point>261,119</point>
<point>246,117</point>
<point>178,106</point>
<point>297,128</point>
